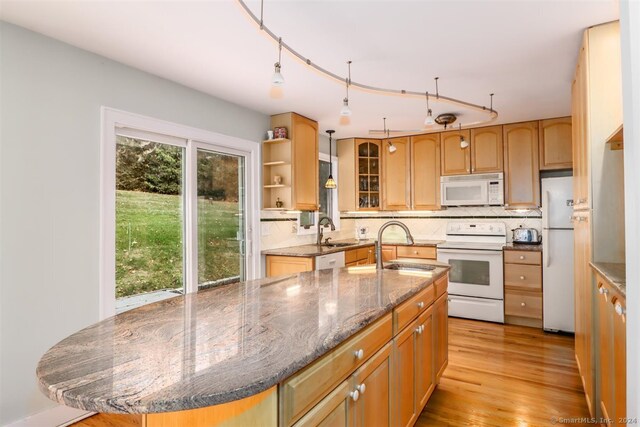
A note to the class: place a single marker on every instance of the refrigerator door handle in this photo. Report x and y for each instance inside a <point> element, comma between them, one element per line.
<point>546,210</point>
<point>545,252</point>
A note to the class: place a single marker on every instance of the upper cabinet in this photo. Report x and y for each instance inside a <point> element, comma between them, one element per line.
<point>359,174</point>
<point>455,159</point>
<point>522,176</point>
<point>486,149</point>
<point>396,163</point>
<point>555,144</point>
<point>290,166</point>
<point>483,155</point>
<point>425,171</point>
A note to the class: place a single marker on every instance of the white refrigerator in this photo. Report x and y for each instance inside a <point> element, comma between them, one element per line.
<point>557,254</point>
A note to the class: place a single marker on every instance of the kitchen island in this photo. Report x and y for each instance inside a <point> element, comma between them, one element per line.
<point>236,351</point>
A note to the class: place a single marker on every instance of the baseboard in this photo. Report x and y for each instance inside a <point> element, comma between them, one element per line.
<point>58,416</point>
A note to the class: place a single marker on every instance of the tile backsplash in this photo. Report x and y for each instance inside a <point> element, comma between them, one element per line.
<point>279,229</point>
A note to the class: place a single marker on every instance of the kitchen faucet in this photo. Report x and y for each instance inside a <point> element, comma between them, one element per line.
<point>379,241</point>
<point>329,222</point>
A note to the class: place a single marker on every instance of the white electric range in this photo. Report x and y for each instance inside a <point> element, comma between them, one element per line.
<point>476,285</point>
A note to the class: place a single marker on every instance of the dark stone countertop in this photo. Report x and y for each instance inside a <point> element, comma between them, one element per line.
<point>614,273</point>
<point>522,247</point>
<point>220,344</point>
<point>315,250</point>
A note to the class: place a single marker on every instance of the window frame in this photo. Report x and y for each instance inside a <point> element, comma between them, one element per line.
<point>194,139</point>
<point>301,231</point>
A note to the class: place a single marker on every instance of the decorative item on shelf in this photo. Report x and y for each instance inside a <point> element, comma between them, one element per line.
<point>269,134</point>
<point>277,78</point>
<point>277,179</point>
<point>279,203</point>
<point>331,183</point>
<point>280,132</point>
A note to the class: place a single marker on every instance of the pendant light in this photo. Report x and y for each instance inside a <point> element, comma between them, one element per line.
<point>429,120</point>
<point>346,111</point>
<point>277,79</point>
<point>331,183</point>
<point>463,142</point>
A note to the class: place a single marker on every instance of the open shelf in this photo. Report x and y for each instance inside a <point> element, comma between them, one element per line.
<point>276,163</point>
<point>275,140</point>
<point>276,186</point>
<point>274,209</point>
<point>616,139</point>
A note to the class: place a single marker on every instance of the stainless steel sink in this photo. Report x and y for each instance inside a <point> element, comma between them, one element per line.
<point>409,266</point>
<point>337,245</point>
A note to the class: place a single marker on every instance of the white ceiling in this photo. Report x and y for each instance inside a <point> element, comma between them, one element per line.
<point>522,50</point>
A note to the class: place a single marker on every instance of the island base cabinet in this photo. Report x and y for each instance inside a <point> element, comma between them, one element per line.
<point>372,381</point>
<point>405,376</point>
<point>441,329</point>
<point>335,410</point>
<point>258,410</point>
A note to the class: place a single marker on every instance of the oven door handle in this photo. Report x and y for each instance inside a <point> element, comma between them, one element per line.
<point>470,251</point>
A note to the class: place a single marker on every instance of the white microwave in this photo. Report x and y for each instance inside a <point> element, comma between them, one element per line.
<point>472,190</point>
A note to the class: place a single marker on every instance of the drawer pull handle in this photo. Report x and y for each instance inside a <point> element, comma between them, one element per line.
<point>415,252</point>
<point>420,304</point>
<point>522,277</point>
<point>619,310</point>
<point>355,395</point>
<point>603,291</point>
<point>522,304</point>
<point>419,329</point>
<point>359,354</point>
<point>521,256</point>
<point>361,388</point>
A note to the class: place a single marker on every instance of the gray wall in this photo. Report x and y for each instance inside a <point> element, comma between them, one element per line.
<point>51,94</point>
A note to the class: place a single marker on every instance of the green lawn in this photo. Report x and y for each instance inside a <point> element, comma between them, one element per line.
<point>149,236</point>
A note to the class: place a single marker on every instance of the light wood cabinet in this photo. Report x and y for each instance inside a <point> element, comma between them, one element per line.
<point>405,349</point>
<point>389,253</point>
<point>425,376</point>
<point>360,256</point>
<point>523,288</point>
<point>583,288</point>
<point>425,171</point>
<point>423,252</point>
<point>486,149</point>
<point>296,161</point>
<point>359,174</point>
<point>455,160</point>
<point>555,144</point>
<point>335,410</point>
<point>282,265</point>
<point>373,382</point>
<point>611,370</point>
<point>580,131</point>
<point>396,188</point>
<point>522,175</point>
<point>441,332</point>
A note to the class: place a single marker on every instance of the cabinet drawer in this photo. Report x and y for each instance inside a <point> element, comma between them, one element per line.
<point>523,257</point>
<point>427,252</point>
<point>523,304</point>
<point>410,309</point>
<point>442,285</point>
<point>350,256</point>
<point>363,253</point>
<point>304,389</point>
<point>526,277</point>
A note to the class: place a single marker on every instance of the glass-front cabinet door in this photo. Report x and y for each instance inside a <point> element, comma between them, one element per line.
<point>368,165</point>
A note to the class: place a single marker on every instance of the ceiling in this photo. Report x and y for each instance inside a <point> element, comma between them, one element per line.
<point>524,51</point>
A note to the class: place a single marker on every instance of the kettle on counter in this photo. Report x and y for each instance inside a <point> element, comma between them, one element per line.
<point>526,235</point>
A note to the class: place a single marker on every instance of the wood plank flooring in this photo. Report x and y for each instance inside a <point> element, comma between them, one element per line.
<point>498,376</point>
<point>503,375</point>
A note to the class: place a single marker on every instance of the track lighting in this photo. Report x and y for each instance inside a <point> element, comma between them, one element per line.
<point>392,148</point>
<point>277,79</point>
<point>429,120</point>
<point>463,142</point>
<point>345,110</point>
<point>331,183</point>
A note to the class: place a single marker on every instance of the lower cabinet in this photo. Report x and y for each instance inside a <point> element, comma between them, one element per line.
<point>360,256</point>
<point>389,388</point>
<point>282,265</point>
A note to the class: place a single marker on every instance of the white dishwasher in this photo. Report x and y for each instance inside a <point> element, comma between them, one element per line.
<point>335,260</point>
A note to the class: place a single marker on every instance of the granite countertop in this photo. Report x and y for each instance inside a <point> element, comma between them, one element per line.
<point>614,272</point>
<point>220,344</point>
<point>315,250</point>
<point>522,247</point>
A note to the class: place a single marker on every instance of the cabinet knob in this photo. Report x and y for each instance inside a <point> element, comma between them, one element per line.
<point>361,388</point>
<point>415,252</point>
<point>420,304</point>
<point>521,277</point>
<point>619,309</point>
<point>359,354</point>
<point>522,304</point>
<point>603,291</point>
<point>355,395</point>
<point>521,256</point>
<point>419,329</point>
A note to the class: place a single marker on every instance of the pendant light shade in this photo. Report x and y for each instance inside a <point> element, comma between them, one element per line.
<point>345,110</point>
<point>392,148</point>
<point>429,120</point>
<point>277,79</point>
<point>463,142</point>
<point>331,183</point>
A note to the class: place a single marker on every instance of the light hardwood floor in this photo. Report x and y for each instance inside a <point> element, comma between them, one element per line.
<point>503,375</point>
<point>498,376</point>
